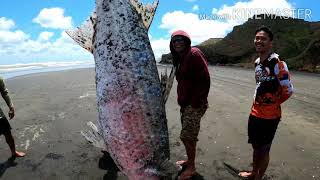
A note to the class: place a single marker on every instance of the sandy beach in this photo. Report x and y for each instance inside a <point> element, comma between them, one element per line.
<point>52,108</point>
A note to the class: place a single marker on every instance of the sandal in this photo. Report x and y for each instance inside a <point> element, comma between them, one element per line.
<point>20,154</point>
<point>246,175</point>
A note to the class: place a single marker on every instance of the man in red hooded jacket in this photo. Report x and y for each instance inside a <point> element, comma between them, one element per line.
<point>193,80</point>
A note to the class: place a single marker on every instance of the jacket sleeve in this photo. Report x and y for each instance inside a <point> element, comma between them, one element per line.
<point>5,93</point>
<point>286,87</point>
<point>201,80</point>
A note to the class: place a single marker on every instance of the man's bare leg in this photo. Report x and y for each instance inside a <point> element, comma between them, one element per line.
<point>12,146</point>
<point>260,162</point>
<point>251,174</point>
<point>190,147</point>
<point>263,165</point>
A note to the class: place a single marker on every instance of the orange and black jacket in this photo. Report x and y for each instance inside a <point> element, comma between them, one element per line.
<point>273,87</point>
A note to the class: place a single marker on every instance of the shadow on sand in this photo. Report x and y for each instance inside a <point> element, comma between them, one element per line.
<point>107,163</point>
<point>195,177</point>
<point>5,165</point>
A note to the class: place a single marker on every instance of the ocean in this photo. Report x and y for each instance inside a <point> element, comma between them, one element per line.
<point>13,70</point>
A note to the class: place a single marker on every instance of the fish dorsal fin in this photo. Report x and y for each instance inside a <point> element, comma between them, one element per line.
<point>83,34</point>
<point>146,11</point>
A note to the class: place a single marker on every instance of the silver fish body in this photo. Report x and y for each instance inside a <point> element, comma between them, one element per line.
<point>130,103</point>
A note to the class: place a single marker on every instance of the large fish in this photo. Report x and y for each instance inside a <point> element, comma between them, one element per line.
<point>130,99</point>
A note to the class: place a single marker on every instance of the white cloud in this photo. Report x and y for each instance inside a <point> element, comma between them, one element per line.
<point>12,36</point>
<point>199,30</point>
<point>17,46</point>
<point>159,47</point>
<point>45,36</point>
<point>32,47</point>
<point>53,18</point>
<point>6,24</point>
<point>195,8</point>
<point>64,40</point>
<point>64,48</point>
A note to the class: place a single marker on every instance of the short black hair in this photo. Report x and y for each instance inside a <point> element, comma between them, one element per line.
<point>267,30</point>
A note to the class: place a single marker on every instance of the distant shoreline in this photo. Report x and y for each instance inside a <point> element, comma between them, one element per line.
<point>11,75</point>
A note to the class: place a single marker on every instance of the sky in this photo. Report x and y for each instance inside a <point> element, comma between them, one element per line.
<point>33,31</point>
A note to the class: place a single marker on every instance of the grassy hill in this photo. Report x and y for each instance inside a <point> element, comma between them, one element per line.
<point>297,41</point>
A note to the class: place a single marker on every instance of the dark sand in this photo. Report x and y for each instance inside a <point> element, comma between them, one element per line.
<point>52,108</point>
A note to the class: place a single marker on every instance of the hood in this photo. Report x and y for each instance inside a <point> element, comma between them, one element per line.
<point>181,33</point>
<point>173,52</point>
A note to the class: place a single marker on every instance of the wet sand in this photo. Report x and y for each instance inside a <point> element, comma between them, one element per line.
<point>52,108</point>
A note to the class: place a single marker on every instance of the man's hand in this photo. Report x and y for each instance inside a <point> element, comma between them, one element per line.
<point>11,112</point>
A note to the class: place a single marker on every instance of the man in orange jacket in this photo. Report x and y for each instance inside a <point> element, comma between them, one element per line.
<point>273,87</point>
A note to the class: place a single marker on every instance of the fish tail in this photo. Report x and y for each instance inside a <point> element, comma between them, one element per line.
<point>146,12</point>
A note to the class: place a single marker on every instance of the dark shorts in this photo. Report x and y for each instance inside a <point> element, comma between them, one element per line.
<point>5,127</point>
<point>261,131</point>
<point>190,122</point>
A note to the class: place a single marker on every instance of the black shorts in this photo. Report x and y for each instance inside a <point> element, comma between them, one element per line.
<point>261,131</point>
<point>5,127</point>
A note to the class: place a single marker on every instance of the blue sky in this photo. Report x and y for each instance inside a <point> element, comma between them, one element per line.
<point>33,31</point>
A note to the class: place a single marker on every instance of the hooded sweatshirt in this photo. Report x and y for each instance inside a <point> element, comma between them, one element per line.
<point>192,74</point>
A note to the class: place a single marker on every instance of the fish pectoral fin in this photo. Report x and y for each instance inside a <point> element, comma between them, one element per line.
<point>94,128</point>
<point>146,11</point>
<point>94,136</point>
<point>163,82</point>
<point>167,82</point>
<point>169,169</point>
<point>83,34</point>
